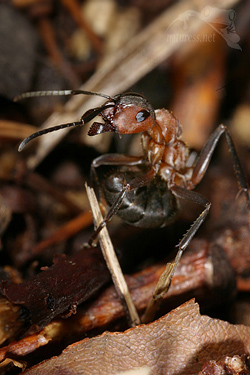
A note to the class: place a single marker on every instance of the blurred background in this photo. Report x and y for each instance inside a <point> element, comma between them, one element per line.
<point>191,57</point>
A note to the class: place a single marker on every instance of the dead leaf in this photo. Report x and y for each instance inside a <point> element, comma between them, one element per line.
<point>178,343</point>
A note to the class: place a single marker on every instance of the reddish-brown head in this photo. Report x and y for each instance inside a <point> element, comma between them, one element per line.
<point>125,113</point>
<point>128,113</point>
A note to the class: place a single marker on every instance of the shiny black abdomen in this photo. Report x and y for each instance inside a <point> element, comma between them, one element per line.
<point>150,206</point>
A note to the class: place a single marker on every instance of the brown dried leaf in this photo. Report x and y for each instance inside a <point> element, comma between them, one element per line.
<point>178,343</point>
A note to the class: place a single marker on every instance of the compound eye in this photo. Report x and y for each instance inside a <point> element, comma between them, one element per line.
<point>142,115</point>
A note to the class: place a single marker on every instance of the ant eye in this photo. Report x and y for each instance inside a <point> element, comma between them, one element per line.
<point>142,115</point>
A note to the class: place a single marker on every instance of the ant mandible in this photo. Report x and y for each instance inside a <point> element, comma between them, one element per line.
<point>149,197</point>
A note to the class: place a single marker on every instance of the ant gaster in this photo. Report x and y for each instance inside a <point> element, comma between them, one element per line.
<point>164,168</point>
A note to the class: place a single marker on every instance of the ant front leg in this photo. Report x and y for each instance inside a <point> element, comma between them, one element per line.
<point>113,160</point>
<point>118,160</point>
<point>205,158</point>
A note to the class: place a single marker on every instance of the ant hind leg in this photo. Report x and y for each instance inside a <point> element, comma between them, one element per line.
<point>167,275</point>
<point>182,193</point>
<point>205,158</point>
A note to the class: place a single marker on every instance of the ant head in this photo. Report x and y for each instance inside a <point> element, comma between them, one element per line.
<point>127,113</point>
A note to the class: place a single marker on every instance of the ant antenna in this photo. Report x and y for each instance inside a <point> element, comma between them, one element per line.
<point>89,115</point>
<point>33,94</point>
<point>45,131</point>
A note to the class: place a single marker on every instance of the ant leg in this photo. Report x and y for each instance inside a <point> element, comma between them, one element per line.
<point>195,197</point>
<point>167,275</point>
<point>134,184</point>
<point>115,160</point>
<point>206,155</point>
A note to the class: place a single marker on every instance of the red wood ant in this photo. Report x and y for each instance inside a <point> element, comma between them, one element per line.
<point>148,197</point>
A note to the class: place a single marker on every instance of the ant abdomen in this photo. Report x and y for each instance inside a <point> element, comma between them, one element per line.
<point>150,206</point>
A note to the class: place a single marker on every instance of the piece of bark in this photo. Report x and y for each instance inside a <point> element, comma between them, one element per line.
<point>178,343</point>
<point>61,287</point>
<point>19,349</point>
<point>203,273</point>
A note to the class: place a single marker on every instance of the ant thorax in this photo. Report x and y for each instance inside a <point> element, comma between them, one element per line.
<point>162,145</point>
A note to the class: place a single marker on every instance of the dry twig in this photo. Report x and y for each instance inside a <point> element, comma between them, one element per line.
<point>112,262</point>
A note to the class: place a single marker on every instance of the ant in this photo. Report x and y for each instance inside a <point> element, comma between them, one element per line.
<point>147,190</point>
